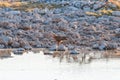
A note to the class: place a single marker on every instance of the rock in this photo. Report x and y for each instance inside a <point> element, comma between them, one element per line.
<point>105,46</point>
<point>116,13</point>
<point>38,46</point>
<point>2,46</point>
<point>102,46</point>
<point>95,46</point>
<point>113,6</point>
<point>115,19</point>
<point>23,43</point>
<point>27,47</point>
<point>71,8</point>
<point>52,48</point>
<point>15,44</point>
<point>73,52</point>
<point>60,48</point>
<point>77,5</point>
<point>3,24</point>
<point>7,9</point>
<point>99,5</point>
<point>70,47</point>
<point>117,31</point>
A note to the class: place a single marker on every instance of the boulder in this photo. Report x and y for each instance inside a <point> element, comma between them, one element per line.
<point>13,12</point>
<point>112,46</point>
<point>5,39</point>
<point>60,48</point>
<point>57,11</point>
<point>15,44</point>
<point>116,13</point>
<point>27,47</point>
<point>73,52</point>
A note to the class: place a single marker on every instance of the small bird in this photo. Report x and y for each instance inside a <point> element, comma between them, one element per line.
<point>59,39</point>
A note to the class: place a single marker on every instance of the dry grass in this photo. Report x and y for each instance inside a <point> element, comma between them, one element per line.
<point>93,14</point>
<point>5,4</point>
<point>116,2</point>
<point>11,4</point>
<point>106,12</point>
<point>101,12</point>
<point>28,6</point>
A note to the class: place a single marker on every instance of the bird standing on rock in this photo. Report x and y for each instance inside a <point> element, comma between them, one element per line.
<point>59,39</point>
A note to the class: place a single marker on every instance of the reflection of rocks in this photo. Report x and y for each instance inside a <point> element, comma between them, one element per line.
<point>19,51</point>
<point>73,52</point>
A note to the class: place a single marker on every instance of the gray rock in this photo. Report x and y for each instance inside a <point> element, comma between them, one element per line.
<point>70,47</point>
<point>52,48</point>
<point>7,9</point>
<point>15,44</point>
<point>57,11</point>
<point>116,13</point>
<point>86,8</point>
<point>71,8</point>
<point>2,46</point>
<point>60,48</point>
<point>38,46</point>
<point>13,13</point>
<point>117,30</point>
<point>95,46</point>
<point>102,46</point>
<point>5,39</point>
<point>112,6</point>
<point>73,52</point>
<point>27,47</point>
<point>36,10</point>
<point>25,26</point>
<point>112,46</point>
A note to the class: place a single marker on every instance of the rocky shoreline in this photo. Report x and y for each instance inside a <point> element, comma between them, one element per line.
<point>20,29</point>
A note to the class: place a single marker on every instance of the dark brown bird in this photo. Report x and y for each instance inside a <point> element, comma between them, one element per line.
<point>59,39</point>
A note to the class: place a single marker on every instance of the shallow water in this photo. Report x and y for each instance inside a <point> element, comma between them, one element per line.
<point>40,67</point>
